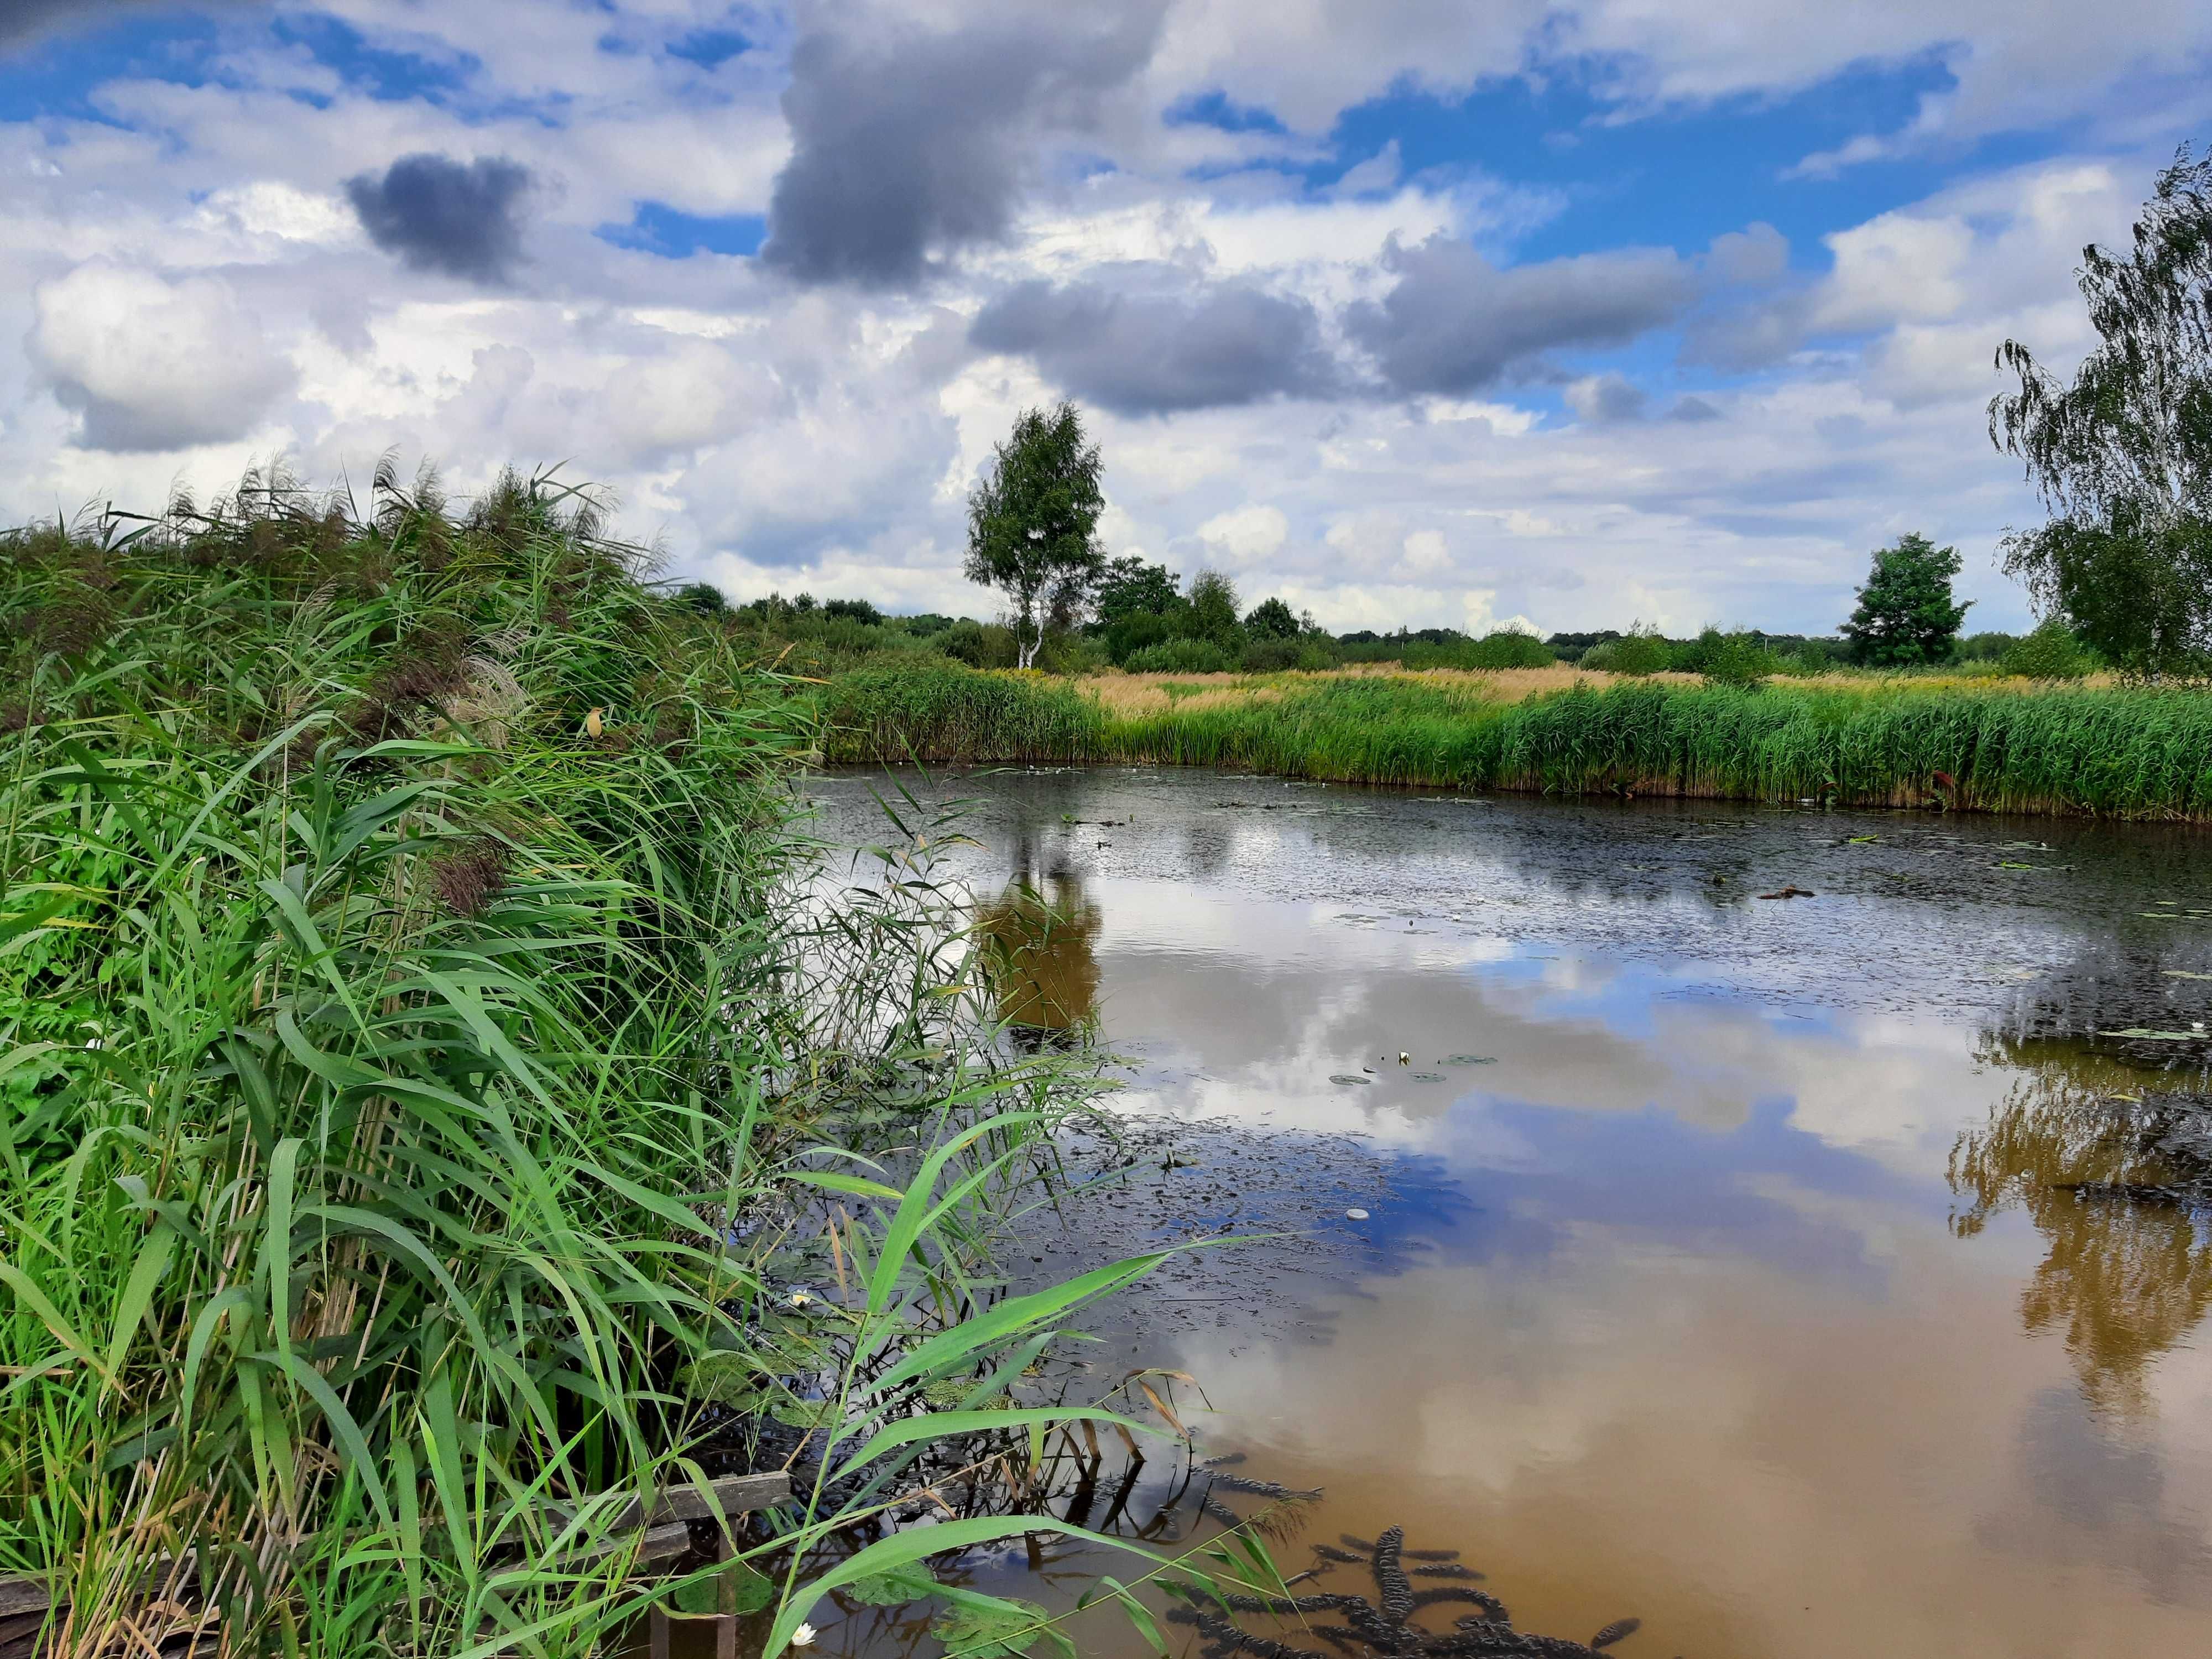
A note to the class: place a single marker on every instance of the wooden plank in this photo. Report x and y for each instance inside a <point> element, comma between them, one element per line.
<point>732,1495</point>
<point>660,1545</point>
<point>16,1625</point>
<point>23,1595</point>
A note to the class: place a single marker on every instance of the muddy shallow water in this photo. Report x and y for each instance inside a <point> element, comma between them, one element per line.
<point>1720,1265</point>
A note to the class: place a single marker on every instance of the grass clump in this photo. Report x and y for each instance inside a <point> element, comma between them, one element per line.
<point>942,711</point>
<point>413,1023</point>
<point>2124,751</point>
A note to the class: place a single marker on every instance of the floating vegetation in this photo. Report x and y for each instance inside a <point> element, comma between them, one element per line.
<point>1350,1077</point>
<point>1384,1624</point>
<point>985,1633</point>
<point>1469,1060</point>
<point>1428,1077</point>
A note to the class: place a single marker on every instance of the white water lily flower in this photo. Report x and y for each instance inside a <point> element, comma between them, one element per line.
<point>803,1636</point>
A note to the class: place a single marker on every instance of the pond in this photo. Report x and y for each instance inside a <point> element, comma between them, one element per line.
<point>1796,1275</point>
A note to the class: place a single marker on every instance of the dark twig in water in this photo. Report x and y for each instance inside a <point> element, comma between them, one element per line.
<point>1384,1625</point>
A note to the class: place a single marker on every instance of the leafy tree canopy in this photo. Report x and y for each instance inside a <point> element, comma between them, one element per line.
<point>1032,522</point>
<point>1271,619</point>
<point>702,597</point>
<point>1128,586</point>
<point>859,611</point>
<point>2123,456</point>
<point>1906,612</point>
<point>1213,612</point>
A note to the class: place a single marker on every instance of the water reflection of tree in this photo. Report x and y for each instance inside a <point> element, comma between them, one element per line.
<point>1041,944</point>
<point>2094,1164</point>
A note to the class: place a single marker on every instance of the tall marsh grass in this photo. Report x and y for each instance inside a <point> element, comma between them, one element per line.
<point>2125,752</point>
<point>417,1058</point>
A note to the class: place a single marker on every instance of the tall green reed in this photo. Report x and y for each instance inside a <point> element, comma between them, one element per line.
<point>2125,752</point>
<point>409,992</point>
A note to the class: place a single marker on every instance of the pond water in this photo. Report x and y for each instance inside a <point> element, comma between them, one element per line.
<point>1718,1267</point>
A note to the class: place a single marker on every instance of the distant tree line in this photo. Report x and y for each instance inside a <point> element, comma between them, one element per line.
<point>2121,574</point>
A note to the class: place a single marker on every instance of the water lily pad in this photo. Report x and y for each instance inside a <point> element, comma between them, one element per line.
<point>723,1379</point>
<point>736,1588</point>
<point>1428,1077</point>
<point>945,1396</point>
<point>1350,1077</point>
<point>796,1413</point>
<point>894,1588</point>
<point>988,1632</point>
<point>1469,1060</point>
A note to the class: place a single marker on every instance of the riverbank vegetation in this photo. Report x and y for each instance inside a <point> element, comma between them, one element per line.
<point>1904,741</point>
<point>432,1088</point>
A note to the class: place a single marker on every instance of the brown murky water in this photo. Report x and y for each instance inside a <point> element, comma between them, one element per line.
<point>1721,1267</point>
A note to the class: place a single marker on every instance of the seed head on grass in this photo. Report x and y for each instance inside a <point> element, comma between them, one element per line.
<point>468,879</point>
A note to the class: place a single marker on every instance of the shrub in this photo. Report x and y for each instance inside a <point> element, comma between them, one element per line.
<point>1640,650</point>
<point>980,644</point>
<point>1508,648</point>
<point>1178,657</point>
<point>2050,653</point>
<point>1739,659</point>
<point>1989,647</point>
<point>1274,656</point>
<point>1213,612</point>
<point>1072,653</point>
<point>1135,631</point>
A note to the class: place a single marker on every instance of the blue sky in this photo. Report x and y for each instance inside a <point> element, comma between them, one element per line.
<point>1429,314</point>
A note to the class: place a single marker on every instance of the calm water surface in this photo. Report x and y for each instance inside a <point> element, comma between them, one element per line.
<point>1720,1276</point>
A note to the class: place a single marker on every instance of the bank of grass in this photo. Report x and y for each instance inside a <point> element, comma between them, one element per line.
<point>407,988</point>
<point>1985,744</point>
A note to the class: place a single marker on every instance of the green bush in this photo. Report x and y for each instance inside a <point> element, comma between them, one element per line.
<point>1067,653</point>
<point>1640,650</point>
<point>1178,657</point>
<point>980,644</point>
<point>2050,653</point>
<point>1508,648</point>
<point>1135,631</point>
<point>1738,659</point>
<point>1987,647</point>
<point>1275,655</point>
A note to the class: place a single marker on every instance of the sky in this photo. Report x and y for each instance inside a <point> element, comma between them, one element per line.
<point>1431,312</point>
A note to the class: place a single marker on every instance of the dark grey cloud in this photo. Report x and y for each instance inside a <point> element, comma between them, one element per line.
<point>460,218</point>
<point>24,21</point>
<point>1607,399</point>
<point>1741,334</point>
<point>1455,323</point>
<point>907,145</point>
<point>1139,352</point>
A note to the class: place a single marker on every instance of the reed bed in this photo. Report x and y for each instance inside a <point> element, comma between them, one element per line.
<point>2008,745</point>
<point>422,1054</point>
